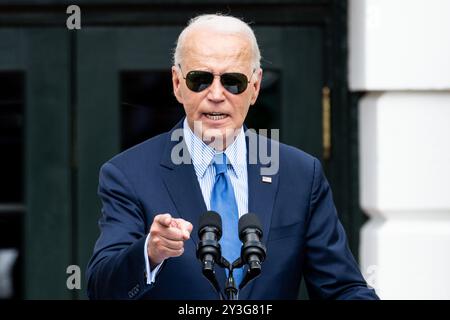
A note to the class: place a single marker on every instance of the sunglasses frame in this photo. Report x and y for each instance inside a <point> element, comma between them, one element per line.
<point>218,75</point>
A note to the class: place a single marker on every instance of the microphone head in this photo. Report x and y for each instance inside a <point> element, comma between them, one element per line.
<point>249,220</point>
<point>210,219</point>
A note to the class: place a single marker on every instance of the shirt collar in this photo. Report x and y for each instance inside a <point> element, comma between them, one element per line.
<point>202,155</point>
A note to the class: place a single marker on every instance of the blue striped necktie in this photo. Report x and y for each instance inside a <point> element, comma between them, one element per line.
<point>223,202</point>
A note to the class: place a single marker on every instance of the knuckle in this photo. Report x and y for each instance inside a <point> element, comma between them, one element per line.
<point>178,245</point>
<point>179,234</point>
<point>156,241</point>
<point>173,234</point>
<point>154,227</point>
<point>153,232</point>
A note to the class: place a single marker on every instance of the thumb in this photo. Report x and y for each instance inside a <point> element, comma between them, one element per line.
<point>165,220</point>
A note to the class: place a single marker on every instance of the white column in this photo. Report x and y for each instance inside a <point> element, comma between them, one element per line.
<point>400,55</point>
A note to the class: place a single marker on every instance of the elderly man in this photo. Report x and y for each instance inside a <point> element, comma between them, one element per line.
<point>152,201</point>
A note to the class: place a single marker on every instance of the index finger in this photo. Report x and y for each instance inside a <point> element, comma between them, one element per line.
<point>185,226</point>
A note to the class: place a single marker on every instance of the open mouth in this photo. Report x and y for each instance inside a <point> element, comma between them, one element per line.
<point>215,115</point>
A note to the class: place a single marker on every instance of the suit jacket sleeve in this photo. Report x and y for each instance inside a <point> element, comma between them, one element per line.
<point>330,271</point>
<point>117,267</point>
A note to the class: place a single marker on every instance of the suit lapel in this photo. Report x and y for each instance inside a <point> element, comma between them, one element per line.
<point>261,197</point>
<point>183,187</point>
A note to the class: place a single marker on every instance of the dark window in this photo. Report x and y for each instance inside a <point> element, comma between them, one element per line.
<point>148,105</point>
<point>11,136</point>
<point>11,181</point>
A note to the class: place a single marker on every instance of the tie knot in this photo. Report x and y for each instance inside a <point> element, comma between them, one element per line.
<point>220,163</point>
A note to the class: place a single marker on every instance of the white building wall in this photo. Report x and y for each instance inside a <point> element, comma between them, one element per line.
<point>400,55</point>
<point>399,44</point>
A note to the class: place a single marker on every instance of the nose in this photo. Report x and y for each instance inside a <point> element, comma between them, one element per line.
<point>216,90</point>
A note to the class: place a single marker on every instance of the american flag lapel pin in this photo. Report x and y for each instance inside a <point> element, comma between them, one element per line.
<point>267,179</point>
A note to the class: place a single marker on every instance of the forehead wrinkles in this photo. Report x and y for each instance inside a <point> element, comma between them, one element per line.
<point>205,48</point>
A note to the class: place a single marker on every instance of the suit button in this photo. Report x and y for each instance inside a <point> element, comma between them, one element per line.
<point>134,291</point>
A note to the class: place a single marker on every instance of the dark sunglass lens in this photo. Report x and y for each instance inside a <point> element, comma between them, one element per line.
<point>234,82</point>
<point>199,80</point>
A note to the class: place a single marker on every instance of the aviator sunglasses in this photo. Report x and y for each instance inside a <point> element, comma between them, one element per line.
<point>233,82</point>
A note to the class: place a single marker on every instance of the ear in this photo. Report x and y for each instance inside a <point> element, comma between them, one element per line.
<point>256,84</point>
<point>176,84</point>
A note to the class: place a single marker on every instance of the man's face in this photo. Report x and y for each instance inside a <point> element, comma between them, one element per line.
<point>217,53</point>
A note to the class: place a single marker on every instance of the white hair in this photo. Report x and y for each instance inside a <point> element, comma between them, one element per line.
<point>223,24</point>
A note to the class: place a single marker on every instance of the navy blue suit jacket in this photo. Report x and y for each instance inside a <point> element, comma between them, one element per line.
<point>301,229</point>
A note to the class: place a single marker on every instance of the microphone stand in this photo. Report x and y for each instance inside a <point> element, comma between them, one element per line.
<point>230,288</point>
<point>252,273</point>
<point>231,291</point>
<point>209,273</point>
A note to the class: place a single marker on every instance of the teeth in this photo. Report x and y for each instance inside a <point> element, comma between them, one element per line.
<point>216,116</point>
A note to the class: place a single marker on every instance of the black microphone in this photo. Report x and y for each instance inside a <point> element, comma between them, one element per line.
<point>208,248</point>
<point>209,233</point>
<point>253,251</point>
